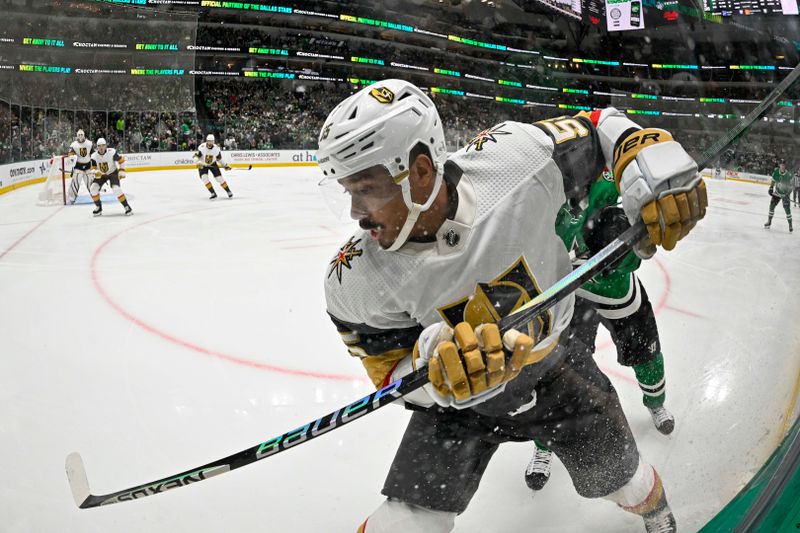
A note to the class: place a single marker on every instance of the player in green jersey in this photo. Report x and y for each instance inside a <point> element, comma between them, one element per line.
<point>617,299</point>
<point>779,190</point>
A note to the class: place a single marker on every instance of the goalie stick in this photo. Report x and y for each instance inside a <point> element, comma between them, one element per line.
<point>76,472</point>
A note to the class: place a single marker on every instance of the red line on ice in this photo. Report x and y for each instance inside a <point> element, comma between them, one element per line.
<point>186,344</point>
<point>37,226</point>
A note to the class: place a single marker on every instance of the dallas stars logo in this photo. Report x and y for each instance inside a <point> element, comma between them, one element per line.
<point>344,257</point>
<point>485,136</point>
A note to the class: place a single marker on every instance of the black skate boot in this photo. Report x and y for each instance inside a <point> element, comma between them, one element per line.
<point>230,193</point>
<point>128,211</point>
<point>97,211</point>
<point>768,224</point>
<point>213,195</point>
<point>538,471</point>
<point>663,420</point>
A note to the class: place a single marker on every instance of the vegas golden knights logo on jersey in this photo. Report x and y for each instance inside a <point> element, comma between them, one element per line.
<point>492,301</point>
<point>83,152</point>
<point>485,136</point>
<point>209,159</point>
<point>103,167</point>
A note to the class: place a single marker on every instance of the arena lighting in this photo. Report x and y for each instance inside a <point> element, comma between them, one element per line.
<point>595,62</point>
<point>752,67</point>
<point>485,97</point>
<point>411,29</point>
<point>574,107</point>
<point>157,47</point>
<point>642,112</point>
<point>481,78</point>
<point>359,81</point>
<point>368,60</point>
<point>33,41</point>
<point>52,69</point>
<point>541,88</point>
<point>277,75</point>
<point>377,23</point>
<point>238,5</point>
<point>712,100</point>
<point>446,72</point>
<point>644,96</point>
<point>479,44</point>
<point>574,91</point>
<point>447,91</point>
<point>157,72</point>
<point>516,101</point>
<point>510,83</point>
<point>268,51</point>
<point>680,67</point>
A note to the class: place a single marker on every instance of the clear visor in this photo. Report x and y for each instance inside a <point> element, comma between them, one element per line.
<point>361,196</point>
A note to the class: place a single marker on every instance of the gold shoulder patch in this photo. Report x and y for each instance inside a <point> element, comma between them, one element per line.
<point>382,95</point>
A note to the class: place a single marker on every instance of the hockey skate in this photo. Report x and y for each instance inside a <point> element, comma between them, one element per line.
<point>213,195</point>
<point>97,211</point>
<point>128,211</point>
<point>230,194</point>
<point>538,471</point>
<point>660,521</point>
<point>663,420</point>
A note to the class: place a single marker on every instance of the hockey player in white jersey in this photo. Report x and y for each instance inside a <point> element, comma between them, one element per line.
<point>107,166</point>
<point>208,158</point>
<point>81,149</point>
<point>448,245</point>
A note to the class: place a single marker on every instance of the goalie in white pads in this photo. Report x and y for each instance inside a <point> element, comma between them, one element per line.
<point>81,149</point>
<point>107,167</point>
<point>208,158</point>
<point>448,246</point>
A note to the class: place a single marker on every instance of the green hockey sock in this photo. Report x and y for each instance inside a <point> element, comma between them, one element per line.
<point>651,380</point>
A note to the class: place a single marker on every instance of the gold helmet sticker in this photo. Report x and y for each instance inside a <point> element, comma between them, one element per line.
<point>382,94</point>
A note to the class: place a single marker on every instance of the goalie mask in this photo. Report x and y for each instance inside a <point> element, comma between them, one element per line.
<point>368,138</point>
<point>80,136</point>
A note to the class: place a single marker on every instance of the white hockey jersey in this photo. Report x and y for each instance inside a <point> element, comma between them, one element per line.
<point>497,253</point>
<point>107,163</point>
<point>82,150</point>
<point>209,156</point>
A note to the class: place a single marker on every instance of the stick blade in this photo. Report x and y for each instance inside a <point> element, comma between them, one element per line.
<point>78,482</point>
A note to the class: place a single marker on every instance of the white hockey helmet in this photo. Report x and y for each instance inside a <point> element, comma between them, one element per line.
<point>380,125</point>
<point>101,142</point>
<point>210,137</point>
<point>80,135</point>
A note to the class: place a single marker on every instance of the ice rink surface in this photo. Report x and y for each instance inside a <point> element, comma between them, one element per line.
<point>156,343</point>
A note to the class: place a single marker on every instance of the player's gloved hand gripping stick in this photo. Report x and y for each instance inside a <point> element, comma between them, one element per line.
<point>76,472</point>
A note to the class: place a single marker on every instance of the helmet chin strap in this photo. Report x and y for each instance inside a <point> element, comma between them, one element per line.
<point>414,210</point>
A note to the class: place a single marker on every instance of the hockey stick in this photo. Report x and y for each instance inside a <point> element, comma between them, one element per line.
<point>235,169</point>
<point>76,472</point>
